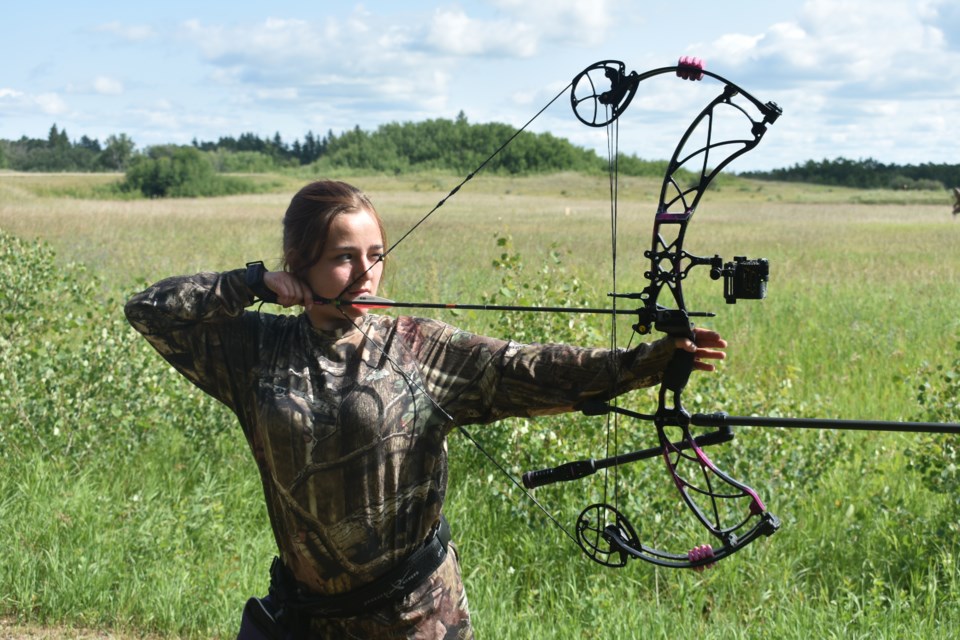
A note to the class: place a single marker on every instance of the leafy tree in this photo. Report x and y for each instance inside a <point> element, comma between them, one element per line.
<point>169,171</point>
<point>58,140</point>
<point>117,154</point>
<point>179,172</point>
<point>89,144</point>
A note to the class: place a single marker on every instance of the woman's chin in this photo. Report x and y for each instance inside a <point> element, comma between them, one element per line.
<point>322,318</point>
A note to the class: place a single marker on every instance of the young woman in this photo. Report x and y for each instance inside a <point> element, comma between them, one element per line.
<point>346,414</point>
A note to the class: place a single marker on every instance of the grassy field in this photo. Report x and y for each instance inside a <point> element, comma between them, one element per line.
<point>129,503</point>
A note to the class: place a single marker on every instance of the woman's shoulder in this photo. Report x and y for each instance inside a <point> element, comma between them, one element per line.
<point>273,324</point>
<point>424,325</point>
<point>414,329</point>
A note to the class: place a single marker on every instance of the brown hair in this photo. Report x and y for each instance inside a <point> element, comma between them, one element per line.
<point>307,221</point>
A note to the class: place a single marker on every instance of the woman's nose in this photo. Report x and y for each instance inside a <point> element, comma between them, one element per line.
<point>365,267</point>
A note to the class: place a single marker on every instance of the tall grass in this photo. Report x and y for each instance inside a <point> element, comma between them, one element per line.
<point>128,500</point>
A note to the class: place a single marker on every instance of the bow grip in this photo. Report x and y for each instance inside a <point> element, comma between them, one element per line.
<point>676,323</point>
<point>678,370</point>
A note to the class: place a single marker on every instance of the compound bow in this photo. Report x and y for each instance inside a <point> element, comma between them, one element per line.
<point>603,532</point>
<point>732,512</point>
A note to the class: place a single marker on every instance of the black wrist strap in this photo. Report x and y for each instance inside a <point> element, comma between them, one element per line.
<point>253,278</point>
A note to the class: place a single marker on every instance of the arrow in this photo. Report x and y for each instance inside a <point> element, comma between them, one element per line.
<point>376,302</point>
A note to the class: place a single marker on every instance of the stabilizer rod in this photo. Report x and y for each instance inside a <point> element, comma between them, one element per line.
<point>582,468</point>
<point>722,419</point>
<point>722,422</point>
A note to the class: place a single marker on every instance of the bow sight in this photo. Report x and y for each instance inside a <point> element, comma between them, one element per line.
<point>742,279</point>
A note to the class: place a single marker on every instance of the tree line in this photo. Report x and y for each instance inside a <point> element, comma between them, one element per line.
<point>198,169</point>
<point>866,174</point>
<point>58,153</point>
<point>454,145</point>
<point>438,144</point>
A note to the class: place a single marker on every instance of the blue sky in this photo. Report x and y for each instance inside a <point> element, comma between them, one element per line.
<point>855,78</point>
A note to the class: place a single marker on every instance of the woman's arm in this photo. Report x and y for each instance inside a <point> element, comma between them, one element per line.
<point>480,379</point>
<point>197,324</point>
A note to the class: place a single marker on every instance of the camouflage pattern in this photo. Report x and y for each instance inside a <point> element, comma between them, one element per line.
<point>436,609</point>
<point>348,429</point>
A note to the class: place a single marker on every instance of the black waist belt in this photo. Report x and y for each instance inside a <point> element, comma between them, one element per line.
<point>389,587</point>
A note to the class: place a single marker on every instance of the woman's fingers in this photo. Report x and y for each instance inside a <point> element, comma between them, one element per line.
<point>708,338</point>
<point>290,290</point>
<point>705,346</point>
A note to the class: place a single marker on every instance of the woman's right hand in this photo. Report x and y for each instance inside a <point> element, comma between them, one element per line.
<point>290,289</point>
<point>705,345</point>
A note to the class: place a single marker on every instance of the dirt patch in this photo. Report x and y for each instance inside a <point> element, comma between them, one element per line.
<point>10,629</point>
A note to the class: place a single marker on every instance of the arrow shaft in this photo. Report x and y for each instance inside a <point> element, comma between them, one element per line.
<point>478,307</point>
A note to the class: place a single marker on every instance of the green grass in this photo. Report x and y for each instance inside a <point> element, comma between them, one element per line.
<point>151,519</point>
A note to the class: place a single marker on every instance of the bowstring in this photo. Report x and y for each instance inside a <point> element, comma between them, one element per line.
<point>457,188</point>
<point>613,144</point>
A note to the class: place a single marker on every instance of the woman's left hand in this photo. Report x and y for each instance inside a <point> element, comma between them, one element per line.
<point>704,346</point>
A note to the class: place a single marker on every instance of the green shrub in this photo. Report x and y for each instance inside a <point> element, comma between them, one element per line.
<point>75,379</point>
<point>936,457</point>
<point>180,172</point>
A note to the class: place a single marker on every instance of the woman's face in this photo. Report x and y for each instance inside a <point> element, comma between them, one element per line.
<point>349,266</point>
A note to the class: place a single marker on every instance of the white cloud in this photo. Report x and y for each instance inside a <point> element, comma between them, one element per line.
<point>882,108</point>
<point>333,64</point>
<point>50,103</point>
<point>520,28</point>
<point>131,33</point>
<point>284,94</point>
<point>14,101</point>
<point>272,42</point>
<point>453,32</point>
<point>563,21</point>
<point>736,47</point>
<point>168,123</point>
<point>856,78</point>
<point>869,41</point>
<point>107,86</point>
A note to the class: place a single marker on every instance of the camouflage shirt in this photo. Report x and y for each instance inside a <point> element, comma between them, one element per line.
<point>348,428</point>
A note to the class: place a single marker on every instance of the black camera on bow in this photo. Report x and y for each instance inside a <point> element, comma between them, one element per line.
<point>742,279</point>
